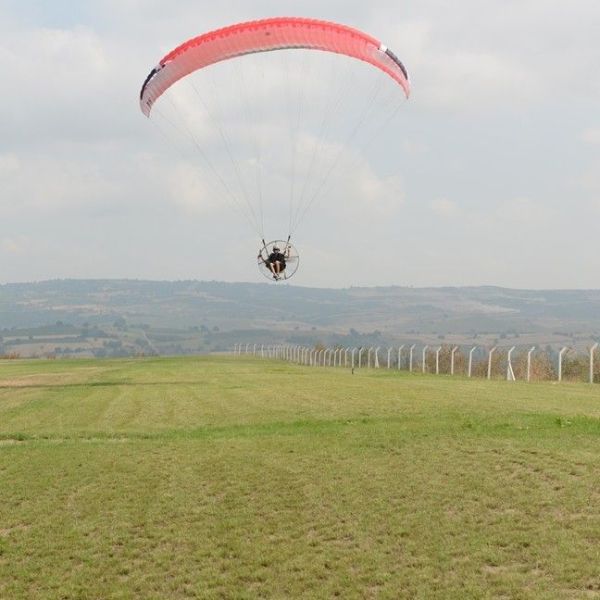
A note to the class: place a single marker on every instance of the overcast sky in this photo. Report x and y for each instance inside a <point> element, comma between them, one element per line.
<point>489,174</point>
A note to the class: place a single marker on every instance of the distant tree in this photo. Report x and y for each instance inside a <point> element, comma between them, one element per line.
<point>120,323</point>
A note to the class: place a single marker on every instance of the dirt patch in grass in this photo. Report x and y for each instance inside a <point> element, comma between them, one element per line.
<point>41,379</point>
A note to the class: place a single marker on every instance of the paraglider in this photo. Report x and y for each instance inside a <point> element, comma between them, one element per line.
<point>314,151</point>
<point>278,260</point>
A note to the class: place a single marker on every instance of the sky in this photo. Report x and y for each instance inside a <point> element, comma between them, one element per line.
<point>488,175</point>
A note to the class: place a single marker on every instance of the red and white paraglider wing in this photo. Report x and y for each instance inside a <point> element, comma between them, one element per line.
<point>263,36</point>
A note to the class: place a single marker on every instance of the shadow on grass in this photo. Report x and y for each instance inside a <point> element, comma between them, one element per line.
<point>102,384</point>
<point>392,430</point>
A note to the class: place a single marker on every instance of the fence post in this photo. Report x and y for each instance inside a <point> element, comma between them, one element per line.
<point>531,351</point>
<point>389,362</point>
<point>360,357</point>
<point>377,357</point>
<point>410,359</point>
<point>400,356</point>
<point>353,352</point>
<point>560,356</point>
<point>454,350</point>
<point>510,374</point>
<point>424,361</point>
<point>592,352</point>
<point>471,360</point>
<point>437,360</point>
<point>489,374</point>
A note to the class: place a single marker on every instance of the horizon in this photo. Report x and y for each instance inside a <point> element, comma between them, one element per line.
<point>288,284</point>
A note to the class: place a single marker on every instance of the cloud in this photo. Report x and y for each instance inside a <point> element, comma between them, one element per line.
<point>451,76</point>
<point>49,183</point>
<point>9,163</point>
<point>191,192</point>
<point>445,208</point>
<point>591,136</point>
<point>521,210</point>
<point>15,245</point>
<point>590,181</point>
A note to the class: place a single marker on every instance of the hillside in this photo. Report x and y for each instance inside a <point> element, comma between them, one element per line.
<point>123,317</point>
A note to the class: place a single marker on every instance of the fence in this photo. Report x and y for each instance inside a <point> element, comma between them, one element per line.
<point>526,364</point>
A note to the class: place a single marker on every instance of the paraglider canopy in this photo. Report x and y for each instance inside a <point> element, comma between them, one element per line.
<point>279,33</point>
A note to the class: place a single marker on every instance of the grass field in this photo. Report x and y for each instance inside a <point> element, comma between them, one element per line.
<point>238,478</point>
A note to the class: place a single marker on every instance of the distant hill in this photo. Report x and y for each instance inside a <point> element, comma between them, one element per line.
<point>125,317</point>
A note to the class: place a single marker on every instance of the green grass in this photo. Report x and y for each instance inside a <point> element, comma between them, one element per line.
<point>238,478</point>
